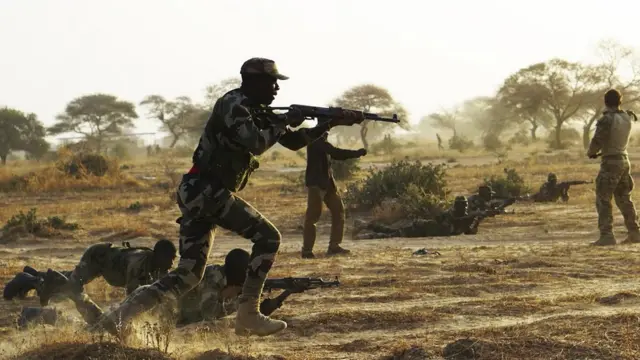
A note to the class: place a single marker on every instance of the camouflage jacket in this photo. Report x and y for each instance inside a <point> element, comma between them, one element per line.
<point>205,301</point>
<point>236,133</point>
<point>476,202</point>
<point>129,267</point>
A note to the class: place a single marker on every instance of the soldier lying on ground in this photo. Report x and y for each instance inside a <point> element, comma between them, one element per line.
<point>456,221</point>
<point>552,190</point>
<point>127,267</point>
<point>215,297</point>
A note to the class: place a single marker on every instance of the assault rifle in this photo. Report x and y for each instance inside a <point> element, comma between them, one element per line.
<point>565,185</point>
<point>327,113</point>
<point>297,285</point>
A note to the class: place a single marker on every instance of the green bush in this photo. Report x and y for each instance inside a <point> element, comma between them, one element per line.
<point>491,142</point>
<point>345,169</point>
<point>419,186</point>
<point>460,143</point>
<point>509,185</point>
<point>520,138</point>
<point>386,146</point>
<point>29,223</point>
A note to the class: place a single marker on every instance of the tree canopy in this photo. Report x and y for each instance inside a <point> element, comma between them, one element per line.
<point>21,132</point>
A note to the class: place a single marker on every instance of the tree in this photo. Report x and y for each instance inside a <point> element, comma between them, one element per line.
<point>524,101</point>
<point>373,99</point>
<point>178,117</point>
<point>95,116</point>
<point>616,61</point>
<point>20,132</point>
<point>215,91</point>
<point>558,88</point>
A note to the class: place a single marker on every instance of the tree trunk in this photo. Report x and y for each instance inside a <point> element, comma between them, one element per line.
<point>363,135</point>
<point>534,128</point>
<point>586,131</point>
<point>174,141</point>
<point>558,135</point>
<point>3,158</point>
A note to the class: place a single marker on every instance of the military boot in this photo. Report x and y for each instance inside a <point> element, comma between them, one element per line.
<point>337,250</point>
<point>54,283</point>
<point>632,238</point>
<point>605,240</point>
<point>307,254</point>
<point>249,320</point>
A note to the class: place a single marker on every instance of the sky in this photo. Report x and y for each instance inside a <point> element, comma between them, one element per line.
<point>429,54</point>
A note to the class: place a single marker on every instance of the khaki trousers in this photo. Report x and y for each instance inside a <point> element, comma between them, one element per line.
<point>331,198</point>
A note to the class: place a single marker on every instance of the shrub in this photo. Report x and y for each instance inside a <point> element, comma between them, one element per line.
<point>460,143</point>
<point>506,186</point>
<point>520,138</point>
<point>29,223</point>
<point>82,164</point>
<point>491,142</point>
<point>386,146</point>
<point>415,185</point>
<point>345,169</point>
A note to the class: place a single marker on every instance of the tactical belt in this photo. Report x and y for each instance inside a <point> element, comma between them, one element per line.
<point>615,157</point>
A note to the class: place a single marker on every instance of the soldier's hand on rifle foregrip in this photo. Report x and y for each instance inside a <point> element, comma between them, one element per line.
<point>295,117</point>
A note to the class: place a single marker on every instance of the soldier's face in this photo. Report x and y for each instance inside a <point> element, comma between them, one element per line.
<point>266,90</point>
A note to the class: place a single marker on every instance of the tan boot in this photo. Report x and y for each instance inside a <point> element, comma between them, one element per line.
<point>337,250</point>
<point>632,238</point>
<point>249,320</point>
<point>605,240</point>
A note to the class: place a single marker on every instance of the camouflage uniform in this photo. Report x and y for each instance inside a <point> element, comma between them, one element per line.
<point>456,221</point>
<point>119,266</point>
<point>223,161</point>
<point>481,200</point>
<point>614,179</point>
<point>205,301</point>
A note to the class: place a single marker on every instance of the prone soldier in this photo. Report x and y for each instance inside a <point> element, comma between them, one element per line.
<point>552,190</point>
<point>456,221</point>
<point>127,267</point>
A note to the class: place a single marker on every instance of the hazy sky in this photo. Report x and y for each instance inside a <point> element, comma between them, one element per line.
<point>429,54</point>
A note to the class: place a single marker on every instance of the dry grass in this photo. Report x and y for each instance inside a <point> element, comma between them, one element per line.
<point>525,287</point>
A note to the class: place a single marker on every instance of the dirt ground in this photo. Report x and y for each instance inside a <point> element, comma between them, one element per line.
<point>527,286</point>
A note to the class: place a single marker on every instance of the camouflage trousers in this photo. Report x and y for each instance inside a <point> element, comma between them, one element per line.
<point>614,180</point>
<point>204,206</point>
<point>88,269</point>
<point>331,198</point>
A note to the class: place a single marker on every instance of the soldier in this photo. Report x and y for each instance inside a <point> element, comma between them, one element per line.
<point>217,294</point>
<point>456,221</point>
<point>551,191</point>
<point>127,267</point>
<point>440,147</point>
<point>238,130</point>
<point>610,141</point>
<point>482,200</point>
<point>321,188</point>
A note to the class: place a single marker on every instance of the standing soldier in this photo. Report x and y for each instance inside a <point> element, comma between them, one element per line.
<point>238,130</point>
<point>321,188</point>
<point>440,147</point>
<point>614,179</point>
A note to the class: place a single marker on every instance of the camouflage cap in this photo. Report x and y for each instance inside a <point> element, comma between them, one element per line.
<point>262,66</point>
